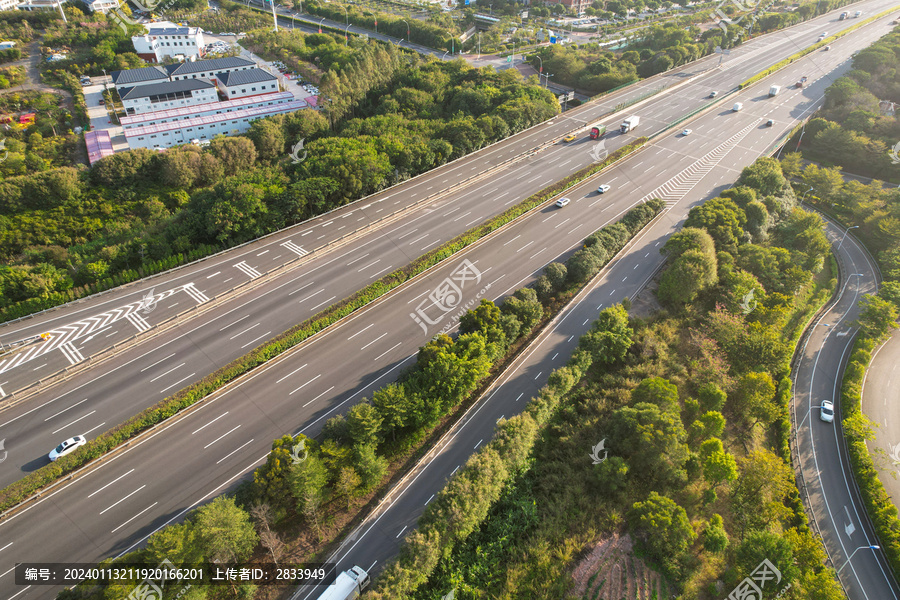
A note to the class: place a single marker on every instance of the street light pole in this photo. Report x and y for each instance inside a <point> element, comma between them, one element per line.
<point>803,197</point>
<point>845,235</point>
<point>347,35</point>
<point>320,24</point>
<point>872,547</point>
<point>407,30</point>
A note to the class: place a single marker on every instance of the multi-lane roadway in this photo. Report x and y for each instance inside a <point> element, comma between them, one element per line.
<point>156,481</point>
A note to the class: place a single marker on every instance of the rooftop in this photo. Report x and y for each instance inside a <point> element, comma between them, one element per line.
<point>262,111</point>
<point>139,75</point>
<point>187,111</point>
<point>166,87</point>
<point>173,30</point>
<point>232,78</point>
<point>212,65</point>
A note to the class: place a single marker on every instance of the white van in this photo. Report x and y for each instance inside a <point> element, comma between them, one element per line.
<point>737,106</point>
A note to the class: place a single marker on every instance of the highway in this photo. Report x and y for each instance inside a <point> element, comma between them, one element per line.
<point>837,511</point>
<point>100,396</point>
<point>155,481</point>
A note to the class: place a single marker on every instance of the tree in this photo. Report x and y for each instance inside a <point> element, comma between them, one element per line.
<point>270,481</point>
<point>758,493</point>
<point>689,238</point>
<point>791,164</point>
<point>825,181</point>
<point>369,465</point>
<point>652,441</point>
<point>235,153</point>
<point>661,528</point>
<point>556,273</point>
<point>687,276</point>
<point>710,424</point>
<point>225,531</point>
<point>346,484</point>
<point>753,399</point>
<point>308,480</point>
<point>610,336</point>
<point>764,545</point>
<point>658,391</point>
<point>719,467</point>
<point>612,475</point>
<point>715,539</point>
<point>712,397</point>
<point>178,542</point>
<point>364,424</point>
<point>526,307</point>
<point>268,137</point>
<point>878,317</point>
<point>481,318</point>
<point>262,514</point>
<point>764,176</point>
<point>722,218</point>
<point>583,265</point>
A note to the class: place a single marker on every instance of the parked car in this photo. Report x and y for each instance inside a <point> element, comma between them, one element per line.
<point>827,411</point>
<point>562,202</point>
<point>68,446</point>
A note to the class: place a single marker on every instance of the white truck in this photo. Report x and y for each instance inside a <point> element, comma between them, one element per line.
<point>630,123</point>
<point>347,586</point>
<point>773,91</point>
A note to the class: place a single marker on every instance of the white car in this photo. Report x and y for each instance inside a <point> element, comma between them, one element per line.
<point>603,188</point>
<point>827,411</point>
<point>562,202</point>
<point>686,132</point>
<point>67,447</point>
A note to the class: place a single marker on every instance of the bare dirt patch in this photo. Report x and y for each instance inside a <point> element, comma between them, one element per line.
<point>611,571</point>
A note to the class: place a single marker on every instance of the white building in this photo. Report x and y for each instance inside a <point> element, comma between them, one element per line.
<point>208,69</point>
<point>31,5</point>
<point>239,84</point>
<point>103,6</point>
<point>203,128</point>
<point>160,42</point>
<point>179,115</point>
<point>171,94</point>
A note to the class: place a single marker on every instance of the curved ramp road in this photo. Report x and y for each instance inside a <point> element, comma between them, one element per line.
<point>879,402</point>
<point>107,394</point>
<point>89,327</point>
<point>837,510</point>
<point>113,508</point>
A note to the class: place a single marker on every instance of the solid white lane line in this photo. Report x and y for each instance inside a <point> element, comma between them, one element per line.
<point>107,485</point>
<point>211,422</point>
<point>64,410</point>
<point>167,372</point>
<point>176,383</point>
<point>319,396</point>
<point>220,437</point>
<point>134,517</point>
<point>289,374</point>
<point>306,384</point>
<point>159,361</point>
<point>233,451</point>
<point>373,341</point>
<point>123,499</point>
<point>73,422</point>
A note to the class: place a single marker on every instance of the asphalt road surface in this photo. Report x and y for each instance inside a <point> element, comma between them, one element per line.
<point>104,395</point>
<point>155,481</point>
<point>837,512</point>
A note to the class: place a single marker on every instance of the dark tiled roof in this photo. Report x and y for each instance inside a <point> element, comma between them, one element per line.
<point>212,65</point>
<point>138,75</point>
<point>244,77</point>
<point>167,87</point>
